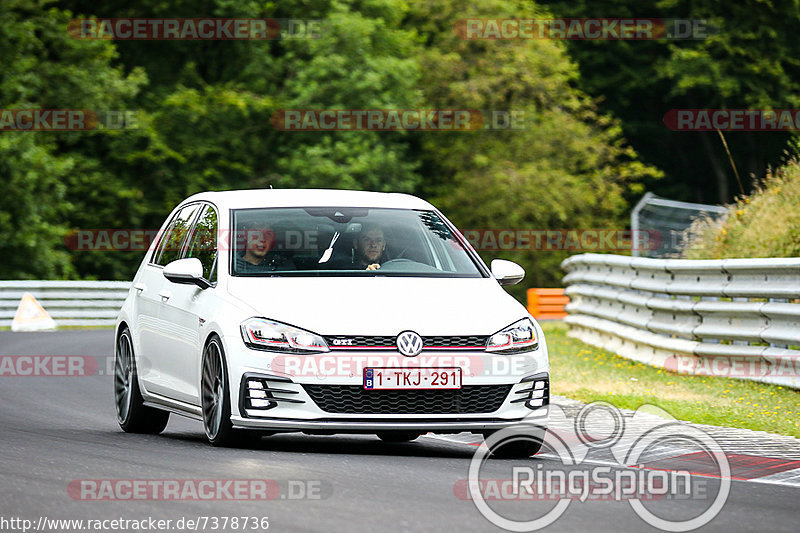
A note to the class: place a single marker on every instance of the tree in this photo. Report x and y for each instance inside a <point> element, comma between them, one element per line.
<point>204,115</point>
<point>748,60</point>
<point>568,168</point>
<point>42,67</point>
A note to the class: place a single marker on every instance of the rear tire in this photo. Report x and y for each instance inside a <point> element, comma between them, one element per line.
<point>132,415</point>
<point>398,436</point>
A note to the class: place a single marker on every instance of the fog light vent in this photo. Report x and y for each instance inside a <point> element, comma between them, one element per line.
<point>259,393</point>
<point>537,394</point>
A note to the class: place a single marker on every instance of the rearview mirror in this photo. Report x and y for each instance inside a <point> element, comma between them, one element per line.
<point>507,272</point>
<point>186,271</point>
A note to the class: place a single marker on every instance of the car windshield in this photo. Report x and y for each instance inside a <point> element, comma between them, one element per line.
<point>346,241</point>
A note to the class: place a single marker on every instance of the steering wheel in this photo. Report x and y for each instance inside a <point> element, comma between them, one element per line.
<point>400,255</point>
<point>397,261</point>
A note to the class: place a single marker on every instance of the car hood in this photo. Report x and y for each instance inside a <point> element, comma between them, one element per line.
<point>381,305</point>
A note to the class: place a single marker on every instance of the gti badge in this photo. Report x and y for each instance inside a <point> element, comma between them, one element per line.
<point>343,342</point>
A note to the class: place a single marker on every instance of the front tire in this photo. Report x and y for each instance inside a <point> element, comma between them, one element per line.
<point>518,445</point>
<point>216,400</point>
<point>132,415</point>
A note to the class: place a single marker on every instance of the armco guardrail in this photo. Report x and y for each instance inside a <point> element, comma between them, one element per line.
<point>69,303</point>
<point>730,317</point>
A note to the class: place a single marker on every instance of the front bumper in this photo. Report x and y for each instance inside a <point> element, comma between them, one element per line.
<point>296,410</point>
<point>538,417</point>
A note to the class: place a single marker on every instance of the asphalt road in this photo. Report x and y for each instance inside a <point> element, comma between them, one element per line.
<point>56,430</point>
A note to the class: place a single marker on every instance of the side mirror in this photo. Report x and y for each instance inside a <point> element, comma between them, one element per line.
<point>507,272</point>
<point>186,271</point>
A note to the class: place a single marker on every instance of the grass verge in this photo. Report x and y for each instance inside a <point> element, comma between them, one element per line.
<point>588,374</point>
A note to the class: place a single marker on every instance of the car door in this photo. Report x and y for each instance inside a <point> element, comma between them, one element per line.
<point>155,365</point>
<point>182,308</point>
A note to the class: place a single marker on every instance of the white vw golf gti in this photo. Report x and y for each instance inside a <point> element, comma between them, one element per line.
<point>325,311</point>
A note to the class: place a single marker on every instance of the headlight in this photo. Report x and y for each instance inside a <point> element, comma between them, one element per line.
<point>518,337</point>
<point>264,334</point>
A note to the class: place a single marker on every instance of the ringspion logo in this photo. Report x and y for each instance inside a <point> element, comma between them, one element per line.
<point>631,474</point>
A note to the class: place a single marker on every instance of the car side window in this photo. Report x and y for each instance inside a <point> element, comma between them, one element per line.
<point>203,244</point>
<point>172,241</point>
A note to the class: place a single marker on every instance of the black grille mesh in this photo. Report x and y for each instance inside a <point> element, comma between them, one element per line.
<point>354,399</point>
<point>361,340</point>
<point>471,341</point>
<point>458,341</point>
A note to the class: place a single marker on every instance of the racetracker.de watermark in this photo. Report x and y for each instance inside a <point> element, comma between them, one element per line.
<point>307,120</point>
<point>198,489</point>
<point>138,240</point>
<point>48,365</point>
<point>67,119</point>
<point>194,29</point>
<point>614,29</point>
<point>347,365</point>
<point>589,240</point>
<point>733,119</point>
<point>576,239</point>
<point>735,366</point>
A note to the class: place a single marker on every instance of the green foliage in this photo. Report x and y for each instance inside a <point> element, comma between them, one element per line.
<point>750,59</point>
<point>569,168</point>
<point>42,67</point>
<point>363,61</point>
<point>203,110</point>
<point>764,224</point>
<point>30,233</point>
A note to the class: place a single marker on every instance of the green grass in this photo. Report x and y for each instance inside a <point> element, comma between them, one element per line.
<point>587,373</point>
<point>764,224</point>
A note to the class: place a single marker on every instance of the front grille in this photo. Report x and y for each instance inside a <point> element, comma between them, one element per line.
<point>354,399</point>
<point>360,341</point>
<point>463,341</point>
<point>344,342</point>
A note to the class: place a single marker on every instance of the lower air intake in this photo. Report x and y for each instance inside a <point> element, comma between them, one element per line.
<point>353,399</point>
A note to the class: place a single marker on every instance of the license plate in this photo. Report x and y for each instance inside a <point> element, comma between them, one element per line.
<point>412,378</point>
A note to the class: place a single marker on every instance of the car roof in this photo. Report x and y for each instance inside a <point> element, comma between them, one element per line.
<point>249,198</point>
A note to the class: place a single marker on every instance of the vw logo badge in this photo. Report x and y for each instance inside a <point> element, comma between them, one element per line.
<point>409,343</point>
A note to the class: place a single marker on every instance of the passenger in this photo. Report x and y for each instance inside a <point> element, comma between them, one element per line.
<point>257,256</point>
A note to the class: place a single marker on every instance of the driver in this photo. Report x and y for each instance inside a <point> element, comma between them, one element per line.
<point>257,256</point>
<point>368,248</point>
